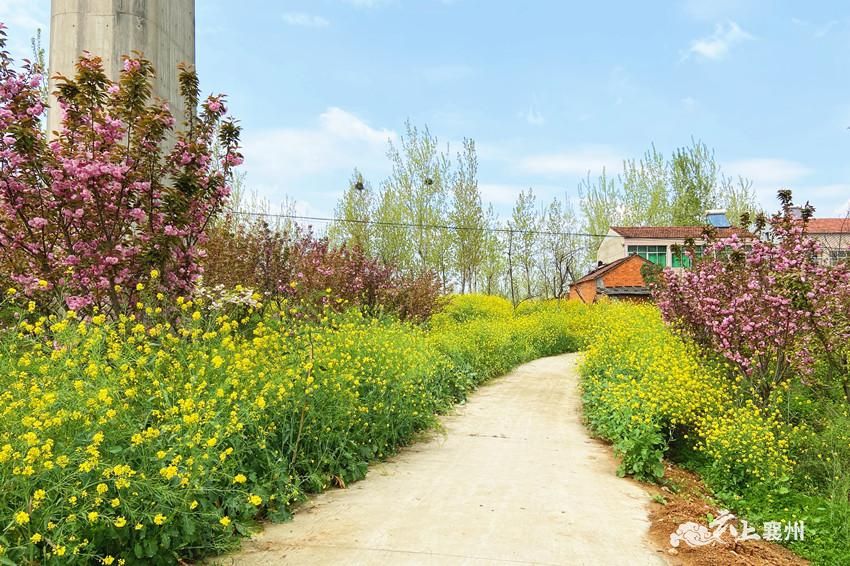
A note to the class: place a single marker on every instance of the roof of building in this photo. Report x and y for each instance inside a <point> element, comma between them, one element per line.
<point>603,269</point>
<point>829,226</point>
<point>674,232</point>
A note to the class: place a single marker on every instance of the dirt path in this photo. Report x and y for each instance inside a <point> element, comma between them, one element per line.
<point>515,479</point>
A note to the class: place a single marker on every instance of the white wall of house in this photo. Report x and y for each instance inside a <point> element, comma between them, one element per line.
<point>615,247</point>
<point>835,247</point>
<point>612,248</point>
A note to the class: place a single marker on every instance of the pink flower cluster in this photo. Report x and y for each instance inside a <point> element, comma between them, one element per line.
<point>94,209</point>
<point>770,306</point>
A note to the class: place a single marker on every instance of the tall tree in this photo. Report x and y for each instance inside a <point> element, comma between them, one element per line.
<point>468,215</point>
<point>738,197</point>
<point>562,246</point>
<point>355,209</point>
<point>523,226</point>
<point>420,180</point>
<point>601,207</point>
<point>493,259</point>
<point>645,190</point>
<point>392,242</point>
<point>694,174</point>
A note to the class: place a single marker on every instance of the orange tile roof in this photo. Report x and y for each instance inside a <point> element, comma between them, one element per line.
<point>829,226</point>
<point>674,232</point>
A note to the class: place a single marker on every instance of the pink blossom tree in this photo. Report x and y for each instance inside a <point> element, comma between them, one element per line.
<point>769,306</point>
<point>87,214</point>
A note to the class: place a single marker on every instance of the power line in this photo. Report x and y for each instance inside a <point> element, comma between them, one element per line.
<point>419,226</point>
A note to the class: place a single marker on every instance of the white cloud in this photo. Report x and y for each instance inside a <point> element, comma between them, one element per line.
<point>498,193</point>
<point>295,161</point>
<point>718,44</point>
<point>575,162</point>
<point>305,20</point>
<point>817,31</point>
<point>769,175</point>
<point>689,103</point>
<point>768,170</point>
<point>532,116</point>
<point>828,199</point>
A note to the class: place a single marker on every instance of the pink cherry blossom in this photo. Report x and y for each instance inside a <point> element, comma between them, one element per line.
<point>91,214</point>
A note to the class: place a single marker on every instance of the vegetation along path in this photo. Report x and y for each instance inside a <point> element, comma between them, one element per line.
<point>514,479</point>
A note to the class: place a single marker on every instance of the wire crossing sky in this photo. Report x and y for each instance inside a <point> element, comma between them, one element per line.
<point>500,230</point>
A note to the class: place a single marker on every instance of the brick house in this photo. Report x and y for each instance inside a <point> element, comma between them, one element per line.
<point>619,279</point>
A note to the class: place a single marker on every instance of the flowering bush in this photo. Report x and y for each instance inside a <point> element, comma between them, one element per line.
<point>464,308</point>
<point>655,395</point>
<point>85,215</point>
<point>306,270</point>
<point>769,306</point>
<point>148,441</point>
<point>644,387</point>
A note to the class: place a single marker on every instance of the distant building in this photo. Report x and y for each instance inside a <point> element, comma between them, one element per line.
<point>833,234</point>
<point>620,279</point>
<point>658,244</point>
<point>626,249</point>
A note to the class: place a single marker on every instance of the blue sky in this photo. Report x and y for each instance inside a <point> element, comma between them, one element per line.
<point>548,89</point>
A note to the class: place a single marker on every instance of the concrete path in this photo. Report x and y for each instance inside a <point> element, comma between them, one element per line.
<point>514,479</point>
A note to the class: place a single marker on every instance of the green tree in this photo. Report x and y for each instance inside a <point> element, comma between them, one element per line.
<point>392,242</point>
<point>601,207</point>
<point>39,64</point>
<point>468,215</point>
<point>738,198</point>
<point>523,226</point>
<point>419,182</point>
<point>693,176</point>
<point>493,258</point>
<point>646,201</point>
<point>562,247</point>
<point>355,209</point>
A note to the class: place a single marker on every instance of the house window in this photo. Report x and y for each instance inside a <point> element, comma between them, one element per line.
<point>838,256</point>
<point>655,254</point>
<point>681,259</point>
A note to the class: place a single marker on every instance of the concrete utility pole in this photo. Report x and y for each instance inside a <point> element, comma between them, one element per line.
<point>163,30</point>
